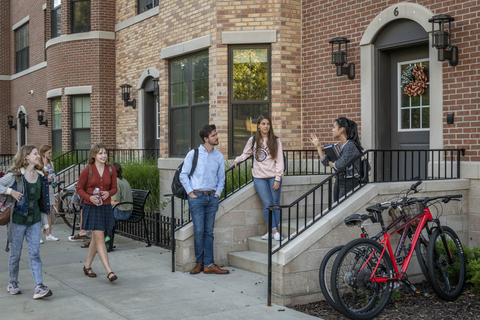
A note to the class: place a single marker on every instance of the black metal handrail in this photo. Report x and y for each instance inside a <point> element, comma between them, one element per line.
<point>132,155</point>
<point>386,166</point>
<point>69,158</point>
<point>6,160</point>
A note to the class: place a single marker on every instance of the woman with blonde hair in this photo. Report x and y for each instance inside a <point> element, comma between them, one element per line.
<point>46,160</point>
<point>26,188</point>
<point>97,209</point>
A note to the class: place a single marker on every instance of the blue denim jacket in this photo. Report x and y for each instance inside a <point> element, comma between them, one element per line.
<point>21,207</point>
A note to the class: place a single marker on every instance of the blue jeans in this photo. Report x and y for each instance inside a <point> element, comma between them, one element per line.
<point>121,215</point>
<point>203,209</point>
<point>269,197</point>
<point>32,235</point>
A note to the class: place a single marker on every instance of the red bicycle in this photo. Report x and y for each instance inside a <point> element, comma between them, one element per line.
<point>366,272</point>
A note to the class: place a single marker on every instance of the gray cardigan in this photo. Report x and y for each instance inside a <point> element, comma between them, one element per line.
<point>349,152</point>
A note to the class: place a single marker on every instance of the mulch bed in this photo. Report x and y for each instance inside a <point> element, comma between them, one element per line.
<point>411,306</point>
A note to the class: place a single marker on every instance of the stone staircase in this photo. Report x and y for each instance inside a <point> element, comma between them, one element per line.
<point>256,258</point>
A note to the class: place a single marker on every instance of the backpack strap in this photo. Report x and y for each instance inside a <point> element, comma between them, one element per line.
<point>194,162</point>
<point>89,176</point>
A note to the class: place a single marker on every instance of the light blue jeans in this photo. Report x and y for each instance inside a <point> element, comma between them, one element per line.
<point>203,209</point>
<point>32,234</point>
<point>269,197</point>
<point>121,215</point>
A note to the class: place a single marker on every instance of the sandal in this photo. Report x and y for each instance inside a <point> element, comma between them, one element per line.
<point>86,245</point>
<point>89,272</point>
<point>77,237</point>
<point>112,278</point>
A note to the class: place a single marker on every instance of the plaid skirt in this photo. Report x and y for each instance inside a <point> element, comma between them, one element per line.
<point>97,217</point>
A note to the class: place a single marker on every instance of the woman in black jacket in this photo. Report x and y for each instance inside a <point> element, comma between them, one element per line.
<point>346,131</point>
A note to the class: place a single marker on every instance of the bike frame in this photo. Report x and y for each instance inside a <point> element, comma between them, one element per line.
<point>424,217</point>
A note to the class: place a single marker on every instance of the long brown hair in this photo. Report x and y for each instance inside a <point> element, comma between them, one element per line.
<point>272,144</point>
<point>93,152</point>
<point>20,161</point>
<point>44,148</point>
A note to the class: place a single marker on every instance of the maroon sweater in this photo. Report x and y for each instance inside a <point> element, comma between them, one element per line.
<point>104,183</point>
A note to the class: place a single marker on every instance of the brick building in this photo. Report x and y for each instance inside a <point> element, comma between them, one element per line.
<point>75,55</point>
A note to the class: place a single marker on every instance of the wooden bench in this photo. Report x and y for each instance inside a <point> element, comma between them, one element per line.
<point>138,214</point>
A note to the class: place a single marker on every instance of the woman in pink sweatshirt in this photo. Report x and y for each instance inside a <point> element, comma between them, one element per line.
<point>267,169</point>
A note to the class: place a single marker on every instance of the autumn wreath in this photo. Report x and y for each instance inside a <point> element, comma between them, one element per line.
<point>414,80</point>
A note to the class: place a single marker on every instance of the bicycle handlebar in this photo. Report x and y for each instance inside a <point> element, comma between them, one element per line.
<point>413,200</point>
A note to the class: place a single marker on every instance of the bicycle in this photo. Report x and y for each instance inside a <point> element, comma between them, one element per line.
<point>325,270</point>
<point>68,211</point>
<point>364,272</point>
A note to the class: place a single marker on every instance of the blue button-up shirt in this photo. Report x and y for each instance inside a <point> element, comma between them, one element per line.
<point>209,174</point>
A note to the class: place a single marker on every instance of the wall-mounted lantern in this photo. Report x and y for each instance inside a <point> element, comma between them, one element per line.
<point>10,123</point>
<point>40,114</point>
<point>340,58</point>
<point>22,117</point>
<point>156,92</point>
<point>442,39</point>
<point>126,96</point>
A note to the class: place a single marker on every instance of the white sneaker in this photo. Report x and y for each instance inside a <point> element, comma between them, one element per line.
<point>41,291</point>
<point>276,236</point>
<point>13,288</point>
<point>51,237</point>
<point>265,236</point>
<point>41,241</point>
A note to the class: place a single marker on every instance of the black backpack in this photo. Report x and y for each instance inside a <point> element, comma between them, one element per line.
<point>364,167</point>
<point>253,155</point>
<point>177,188</point>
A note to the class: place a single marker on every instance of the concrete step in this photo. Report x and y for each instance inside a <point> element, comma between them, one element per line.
<point>257,244</point>
<point>249,261</point>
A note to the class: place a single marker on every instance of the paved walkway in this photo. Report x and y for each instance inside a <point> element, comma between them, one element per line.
<point>146,288</point>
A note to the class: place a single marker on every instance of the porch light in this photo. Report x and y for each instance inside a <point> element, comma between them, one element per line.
<point>155,90</point>
<point>340,58</point>
<point>10,123</point>
<point>23,119</point>
<point>442,39</point>
<point>40,114</point>
<point>126,96</point>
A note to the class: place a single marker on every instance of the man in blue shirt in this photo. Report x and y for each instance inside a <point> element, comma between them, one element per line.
<point>204,188</point>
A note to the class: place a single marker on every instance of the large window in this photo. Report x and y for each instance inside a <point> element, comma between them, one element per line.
<point>80,16</point>
<point>22,59</point>
<point>145,5</point>
<point>189,101</point>
<point>249,92</point>
<point>81,122</point>
<point>57,124</point>
<point>55,17</point>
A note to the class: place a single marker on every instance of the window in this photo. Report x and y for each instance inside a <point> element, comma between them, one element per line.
<point>80,16</point>
<point>55,18</point>
<point>249,92</point>
<point>81,122</point>
<point>145,5</point>
<point>22,59</point>
<point>189,101</point>
<point>57,124</point>
<point>414,112</point>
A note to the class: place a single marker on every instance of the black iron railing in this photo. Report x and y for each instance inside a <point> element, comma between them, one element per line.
<point>386,166</point>
<point>6,161</point>
<point>69,158</point>
<point>132,155</point>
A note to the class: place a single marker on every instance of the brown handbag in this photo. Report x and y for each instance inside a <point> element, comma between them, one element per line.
<point>5,209</point>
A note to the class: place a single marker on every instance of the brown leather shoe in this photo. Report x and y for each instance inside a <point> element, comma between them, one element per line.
<point>215,269</point>
<point>197,269</point>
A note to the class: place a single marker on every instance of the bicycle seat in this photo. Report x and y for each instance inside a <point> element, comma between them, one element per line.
<point>356,219</point>
<point>375,208</point>
<point>60,182</point>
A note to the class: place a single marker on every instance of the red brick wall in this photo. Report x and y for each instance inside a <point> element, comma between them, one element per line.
<point>326,96</point>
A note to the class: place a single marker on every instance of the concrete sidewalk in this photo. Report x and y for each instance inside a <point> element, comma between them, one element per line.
<point>146,288</point>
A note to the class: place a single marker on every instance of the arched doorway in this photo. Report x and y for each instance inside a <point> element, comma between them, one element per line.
<point>22,125</point>
<point>150,116</point>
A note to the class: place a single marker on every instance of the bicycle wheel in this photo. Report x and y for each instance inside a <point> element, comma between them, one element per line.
<point>353,291</point>
<point>325,274</point>
<point>448,276</point>
<point>421,249</point>
<point>71,210</point>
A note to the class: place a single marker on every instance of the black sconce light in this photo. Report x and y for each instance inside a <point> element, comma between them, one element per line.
<point>40,113</point>
<point>126,96</point>
<point>442,39</point>
<point>340,58</point>
<point>155,90</point>
<point>10,123</point>
<point>23,119</point>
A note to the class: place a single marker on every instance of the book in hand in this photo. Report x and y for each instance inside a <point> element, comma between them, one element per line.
<point>332,151</point>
